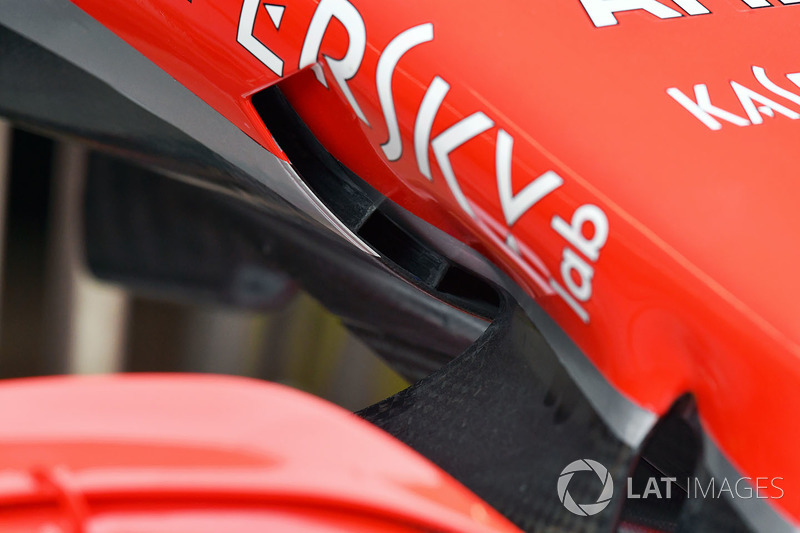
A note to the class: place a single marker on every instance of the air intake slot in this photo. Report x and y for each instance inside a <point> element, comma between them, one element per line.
<point>359,207</point>
<point>469,290</point>
<point>404,250</point>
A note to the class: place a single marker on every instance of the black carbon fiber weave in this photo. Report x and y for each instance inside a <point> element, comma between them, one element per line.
<point>505,418</point>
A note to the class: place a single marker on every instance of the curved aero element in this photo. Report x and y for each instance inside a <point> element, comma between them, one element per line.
<point>395,50</point>
<point>110,59</point>
<point>107,57</point>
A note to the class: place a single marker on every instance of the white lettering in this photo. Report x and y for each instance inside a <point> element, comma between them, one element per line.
<point>704,493</point>
<point>772,482</point>
<point>245,37</point>
<point>514,206</point>
<point>703,109</point>
<point>571,302</point>
<point>668,481</point>
<point>450,139</point>
<point>572,262</point>
<point>602,11</point>
<point>345,68</point>
<point>725,487</point>
<point>631,495</point>
<point>573,232</point>
<point>762,78</point>
<point>275,13</point>
<point>423,125</point>
<point>396,49</point>
<point>748,96</point>
<point>692,7</point>
<point>651,488</point>
<point>749,490</point>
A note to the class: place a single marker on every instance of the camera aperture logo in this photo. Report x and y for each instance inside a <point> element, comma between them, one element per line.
<point>714,488</point>
<point>585,509</point>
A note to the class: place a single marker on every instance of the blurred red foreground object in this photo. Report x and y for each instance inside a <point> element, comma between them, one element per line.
<point>185,453</point>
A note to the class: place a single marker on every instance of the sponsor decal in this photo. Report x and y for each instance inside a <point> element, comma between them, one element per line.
<point>756,103</point>
<point>661,488</point>
<point>603,12</point>
<point>573,282</point>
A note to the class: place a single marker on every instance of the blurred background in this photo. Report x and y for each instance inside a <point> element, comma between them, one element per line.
<point>55,317</point>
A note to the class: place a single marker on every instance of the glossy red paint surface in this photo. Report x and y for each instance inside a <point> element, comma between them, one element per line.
<point>694,289</point>
<point>194,454</point>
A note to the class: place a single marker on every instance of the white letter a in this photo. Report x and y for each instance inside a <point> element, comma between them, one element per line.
<point>602,11</point>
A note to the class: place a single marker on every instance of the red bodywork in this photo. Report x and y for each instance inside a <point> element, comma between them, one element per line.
<point>211,454</point>
<point>693,290</point>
